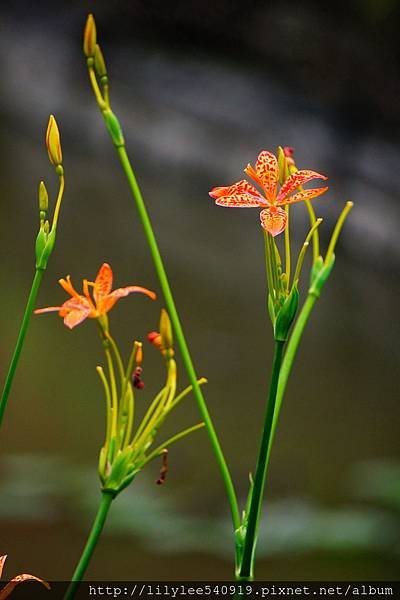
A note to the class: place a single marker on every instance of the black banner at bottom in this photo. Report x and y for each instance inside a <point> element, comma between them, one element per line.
<point>216,590</point>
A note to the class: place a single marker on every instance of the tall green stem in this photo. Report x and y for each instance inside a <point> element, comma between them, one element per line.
<point>92,540</point>
<point>290,355</point>
<point>247,562</point>
<point>187,360</point>
<point>20,341</point>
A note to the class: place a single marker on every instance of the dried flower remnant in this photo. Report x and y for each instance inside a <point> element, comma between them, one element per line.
<point>266,175</point>
<point>95,305</point>
<point>9,587</point>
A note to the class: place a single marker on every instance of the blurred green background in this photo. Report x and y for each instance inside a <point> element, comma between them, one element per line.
<point>200,89</point>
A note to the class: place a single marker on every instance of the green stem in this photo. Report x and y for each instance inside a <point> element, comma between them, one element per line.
<point>290,355</point>
<point>92,540</point>
<point>20,341</point>
<point>187,360</point>
<point>247,562</point>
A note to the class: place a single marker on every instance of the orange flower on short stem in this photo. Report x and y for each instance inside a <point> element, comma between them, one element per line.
<point>92,305</point>
<point>266,175</point>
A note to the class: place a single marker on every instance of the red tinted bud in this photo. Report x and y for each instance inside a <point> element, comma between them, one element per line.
<point>154,338</point>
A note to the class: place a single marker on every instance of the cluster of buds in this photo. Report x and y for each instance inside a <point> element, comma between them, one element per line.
<point>99,80</point>
<point>127,450</point>
<point>47,234</point>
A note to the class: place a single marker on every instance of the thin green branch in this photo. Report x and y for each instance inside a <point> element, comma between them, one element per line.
<point>94,535</point>
<point>30,305</point>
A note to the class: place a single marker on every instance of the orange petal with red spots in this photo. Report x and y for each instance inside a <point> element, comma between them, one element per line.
<point>295,180</point>
<point>268,171</point>
<point>240,187</point>
<point>103,282</point>
<point>304,195</point>
<point>241,201</point>
<point>273,220</point>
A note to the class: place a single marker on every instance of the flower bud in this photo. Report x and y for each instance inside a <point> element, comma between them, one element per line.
<point>139,353</point>
<point>286,315</point>
<point>43,198</point>
<point>99,62</point>
<point>53,142</point>
<point>166,330</point>
<point>89,37</point>
<point>154,338</point>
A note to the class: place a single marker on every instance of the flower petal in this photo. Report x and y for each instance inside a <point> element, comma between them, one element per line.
<point>9,587</point>
<point>103,282</point>
<point>304,195</point>
<point>296,180</point>
<point>76,316</point>
<point>2,561</point>
<point>273,220</point>
<point>241,201</point>
<point>239,187</point>
<point>39,311</point>
<point>109,301</point>
<point>268,171</point>
<point>75,310</point>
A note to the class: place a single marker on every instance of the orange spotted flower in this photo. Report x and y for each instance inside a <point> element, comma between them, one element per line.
<point>266,175</point>
<point>82,306</point>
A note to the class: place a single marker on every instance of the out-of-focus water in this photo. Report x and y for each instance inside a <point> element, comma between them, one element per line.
<point>192,122</point>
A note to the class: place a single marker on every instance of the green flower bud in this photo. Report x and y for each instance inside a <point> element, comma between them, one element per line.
<point>114,128</point>
<point>286,315</point>
<point>99,63</point>
<point>43,198</point>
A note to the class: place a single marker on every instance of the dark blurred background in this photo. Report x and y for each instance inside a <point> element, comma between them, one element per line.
<point>200,89</point>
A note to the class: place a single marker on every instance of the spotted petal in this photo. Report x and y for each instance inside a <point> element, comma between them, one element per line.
<point>268,172</point>
<point>103,282</point>
<point>240,187</point>
<point>304,195</point>
<point>295,180</point>
<point>109,301</point>
<point>273,220</point>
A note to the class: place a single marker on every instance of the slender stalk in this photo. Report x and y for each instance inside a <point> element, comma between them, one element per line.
<point>92,540</point>
<point>290,355</point>
<point>180,337</point>
<point>247,562</point>
<point>20,341</point>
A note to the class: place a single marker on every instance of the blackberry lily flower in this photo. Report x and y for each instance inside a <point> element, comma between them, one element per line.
<point>266,175</point>
<point>82,306</point>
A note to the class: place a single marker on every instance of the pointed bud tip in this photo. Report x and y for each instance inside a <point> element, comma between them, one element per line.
<point>90,37</point>
<point>53,142</point>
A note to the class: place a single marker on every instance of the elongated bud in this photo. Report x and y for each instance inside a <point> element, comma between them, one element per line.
<point>53,142</point>
<point>166,330</point>
<point>89,37</point>
<point>281,165</point>
<point>99,62</point>
<point>43,198</point>
<point>139,354</point>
